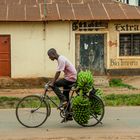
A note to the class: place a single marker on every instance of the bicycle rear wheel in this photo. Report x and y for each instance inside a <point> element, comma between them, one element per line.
<point>96,112</point>
<point>32,111</point>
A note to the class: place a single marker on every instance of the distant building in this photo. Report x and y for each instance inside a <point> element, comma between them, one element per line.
<point>100,35</point>
<point>131,2</point>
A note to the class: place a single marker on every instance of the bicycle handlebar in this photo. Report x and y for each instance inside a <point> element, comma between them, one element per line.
<point>47,85</point>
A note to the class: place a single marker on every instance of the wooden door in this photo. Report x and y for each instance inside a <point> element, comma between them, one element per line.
<point>5,61</point>
<point>91,52</point>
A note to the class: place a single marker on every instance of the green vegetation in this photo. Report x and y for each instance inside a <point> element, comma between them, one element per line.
<point>8,102</point>
<point>109,100</point>
<point>119,83</point>
<point>11,102</point>
<point>122,100</point>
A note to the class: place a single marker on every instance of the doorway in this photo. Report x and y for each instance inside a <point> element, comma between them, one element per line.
<point>5,62</point>
<point>90,53</point>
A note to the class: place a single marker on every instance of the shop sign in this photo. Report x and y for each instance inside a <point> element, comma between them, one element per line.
<point>127,27</point>
<point>123,63</point>
<point>88,25</point>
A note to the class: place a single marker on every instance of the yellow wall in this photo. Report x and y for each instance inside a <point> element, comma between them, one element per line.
<point>60,37</point>
<point>26,48</point>
<point>114,60</point>
<point>30,42</point>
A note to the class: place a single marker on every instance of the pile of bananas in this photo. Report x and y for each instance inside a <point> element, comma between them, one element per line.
<point>81,104</point>
<point>85,81</point>
<point>96,108</point>
<point>81,109</point>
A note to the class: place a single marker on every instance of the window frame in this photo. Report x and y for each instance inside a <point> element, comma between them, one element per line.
<point>118,52</point>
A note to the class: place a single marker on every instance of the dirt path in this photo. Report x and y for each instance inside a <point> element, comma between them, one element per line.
<point>133,80</point>
<point>19,92</point>
<point>119,123</point>
<point>24,92</point>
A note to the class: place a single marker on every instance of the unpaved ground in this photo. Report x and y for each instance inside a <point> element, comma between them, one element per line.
<point>23,87</point>
<point>119,123</point>
<point>116,125</point>
<point>24,92</point>
<point>134,81</point>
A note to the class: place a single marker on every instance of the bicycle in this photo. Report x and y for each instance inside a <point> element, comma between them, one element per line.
<point>33,110</point>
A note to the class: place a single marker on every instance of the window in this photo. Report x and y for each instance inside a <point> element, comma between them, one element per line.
<point>129,44</point>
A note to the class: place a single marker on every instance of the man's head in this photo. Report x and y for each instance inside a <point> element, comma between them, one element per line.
<point>52,54</point>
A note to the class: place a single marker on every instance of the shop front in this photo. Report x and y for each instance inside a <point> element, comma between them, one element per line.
<point>108,47</point>
<point>124,48</point>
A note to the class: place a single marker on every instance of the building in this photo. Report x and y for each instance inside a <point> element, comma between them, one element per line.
<point>100,35</point>
<point>131,2</point>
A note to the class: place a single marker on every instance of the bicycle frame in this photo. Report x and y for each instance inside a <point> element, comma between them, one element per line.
<point>47,97</point>
<point>43,101</point>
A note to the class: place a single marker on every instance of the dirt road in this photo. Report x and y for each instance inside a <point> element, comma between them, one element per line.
<point>119,123</point>
<point>24,92</point>
<point>132,80</point>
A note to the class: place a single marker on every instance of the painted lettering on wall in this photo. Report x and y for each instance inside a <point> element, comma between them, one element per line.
<point>113,44</point>
<point>126,27</point>
<point>126,63</point>
<point>88,25</point>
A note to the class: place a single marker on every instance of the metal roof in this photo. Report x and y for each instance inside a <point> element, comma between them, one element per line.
<point>47,10</point>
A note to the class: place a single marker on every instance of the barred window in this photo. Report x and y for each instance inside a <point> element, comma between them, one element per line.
<point>130,44</point>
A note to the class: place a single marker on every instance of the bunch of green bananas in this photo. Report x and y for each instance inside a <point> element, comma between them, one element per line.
<point>81,109</point>
<point>85,81</point>
<point>99,93</point>
<point>95,108</point>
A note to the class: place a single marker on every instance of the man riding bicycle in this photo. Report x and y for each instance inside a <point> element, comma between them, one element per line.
<point>70,76</point>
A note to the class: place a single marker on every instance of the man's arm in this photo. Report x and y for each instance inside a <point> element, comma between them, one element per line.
<point>57,74</point>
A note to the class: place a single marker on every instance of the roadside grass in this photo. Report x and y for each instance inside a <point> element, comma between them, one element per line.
<point>8,102</point>
<point>109,100</point>
<point>119,83</point>
<point>122,100</point>
<point>11,102</point>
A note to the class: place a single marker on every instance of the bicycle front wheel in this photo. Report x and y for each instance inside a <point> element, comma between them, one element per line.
<point>32,111</point>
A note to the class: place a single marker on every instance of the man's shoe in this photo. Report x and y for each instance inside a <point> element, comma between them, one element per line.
<point>67,119</point>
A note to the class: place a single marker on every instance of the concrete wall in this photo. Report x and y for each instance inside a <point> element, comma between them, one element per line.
<point>30,42</point>
<point>114,60</point>
<point>27,50</point>
<point>59,36</point>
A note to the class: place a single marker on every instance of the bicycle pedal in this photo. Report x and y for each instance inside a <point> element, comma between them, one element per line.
<point>64,120</point>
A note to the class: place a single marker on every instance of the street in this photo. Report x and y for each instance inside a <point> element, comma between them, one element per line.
<point>119,123</point>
